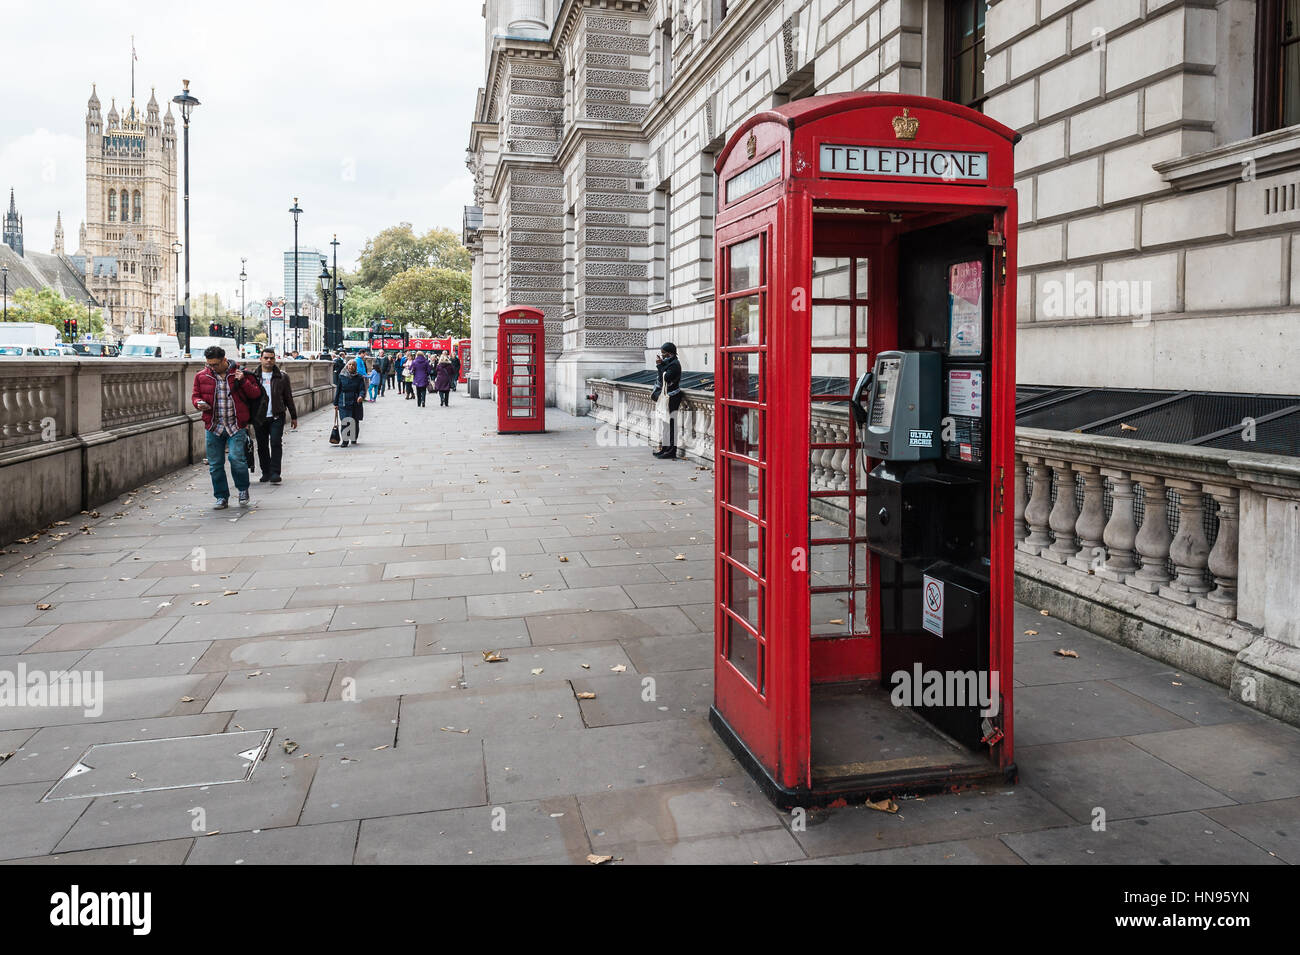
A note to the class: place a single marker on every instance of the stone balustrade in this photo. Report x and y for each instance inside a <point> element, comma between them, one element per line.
<point>76,432</point>
<point>1189,555</point>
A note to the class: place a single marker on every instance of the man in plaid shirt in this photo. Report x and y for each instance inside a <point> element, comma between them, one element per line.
<point>226,396</point>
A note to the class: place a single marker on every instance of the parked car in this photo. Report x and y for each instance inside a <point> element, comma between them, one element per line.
<point>63,350</point>
<point>22,351</point>
<point>151,346</point>
<point>96,349</point>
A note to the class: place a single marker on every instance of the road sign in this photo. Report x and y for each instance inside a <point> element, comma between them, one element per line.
<point>932,611</point>
<point>269,303</point>
<point>276,311</point>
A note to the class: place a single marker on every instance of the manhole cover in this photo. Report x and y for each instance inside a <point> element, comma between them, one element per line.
<point>141,766</point>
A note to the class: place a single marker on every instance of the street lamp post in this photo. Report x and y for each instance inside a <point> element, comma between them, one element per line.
<point>296,212</point>
<point>186,102</point>
<point>4,269</point>
<point>243,288</point>
<point>176,305</point>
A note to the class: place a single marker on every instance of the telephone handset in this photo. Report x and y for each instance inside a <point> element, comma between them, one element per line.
<point>861,392</point>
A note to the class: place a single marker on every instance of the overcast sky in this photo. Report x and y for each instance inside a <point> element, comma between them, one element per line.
<point>361,110</point>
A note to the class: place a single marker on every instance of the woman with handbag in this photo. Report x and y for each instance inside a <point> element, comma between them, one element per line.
<point>348,398</point>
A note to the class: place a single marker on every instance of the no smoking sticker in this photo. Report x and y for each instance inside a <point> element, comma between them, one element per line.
<point>932,605</point>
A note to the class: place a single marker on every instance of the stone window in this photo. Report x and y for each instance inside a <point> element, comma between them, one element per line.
<point>112,205</point>
<point>570,261</point>
<point>666,56</point>
<point>719,12</point>
<point>137,207</point>
<point>1277,64</point>
<point>663,231</point>
<point>964,52</point>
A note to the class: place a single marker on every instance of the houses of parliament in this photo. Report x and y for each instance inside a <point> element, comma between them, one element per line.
<point>124,251</point>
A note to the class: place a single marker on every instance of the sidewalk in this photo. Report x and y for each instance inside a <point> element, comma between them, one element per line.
<point>348,611</point>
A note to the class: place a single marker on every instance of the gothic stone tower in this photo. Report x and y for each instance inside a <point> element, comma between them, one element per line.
<point>131,216</point>
<point>13,227</point>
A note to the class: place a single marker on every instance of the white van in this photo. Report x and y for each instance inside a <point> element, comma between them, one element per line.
<point>43,336</point>
<point>198,344</point>
<point>151,346</point>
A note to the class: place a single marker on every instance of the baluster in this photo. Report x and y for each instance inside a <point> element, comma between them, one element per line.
<point>1091,523</point>
<point>1190,550</point>
<point>1063,515</point>
<point>839,470</point>
<point>1153,538</point>
<point>817,459</point>
<point>1038,510</point>
<point>1021,531</point>
<point>1121,529</point>
<point>1222,600</point>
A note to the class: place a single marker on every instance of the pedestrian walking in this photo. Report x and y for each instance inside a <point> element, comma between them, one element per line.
<point>455,370</point>
<point>375,379</point>
<point>442,380</point>
<point>408,379</point>
<point>390,372</point>
<point>348,399</point>
<point>227,397</point>
<point>667,397</point>
<point>268,422</point>
<point>420,377</point>
<point>384,363</point>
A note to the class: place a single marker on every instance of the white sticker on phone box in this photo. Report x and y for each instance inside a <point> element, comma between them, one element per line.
<point>966,392</point>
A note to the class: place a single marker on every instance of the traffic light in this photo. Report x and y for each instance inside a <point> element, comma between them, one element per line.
<point>67,328</point>
<point>74,329</point>
<point>214,330</point>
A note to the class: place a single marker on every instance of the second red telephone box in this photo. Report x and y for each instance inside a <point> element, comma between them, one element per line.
<point>865,303</point>
<point>463,351</point>
<point>521,370</point>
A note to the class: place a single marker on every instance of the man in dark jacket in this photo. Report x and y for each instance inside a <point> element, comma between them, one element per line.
<point>227,397</point>
<point>668,398</point>
<point>268,419</point>
<point>455,369</point>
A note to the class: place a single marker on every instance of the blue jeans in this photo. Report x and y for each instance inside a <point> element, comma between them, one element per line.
<point>218,447</point>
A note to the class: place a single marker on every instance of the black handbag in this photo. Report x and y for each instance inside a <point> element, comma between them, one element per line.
<point>334,432</point>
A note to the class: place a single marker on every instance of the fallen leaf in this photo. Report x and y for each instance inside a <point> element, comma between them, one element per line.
<point>494,656</point>
<point>378,748</point>
<point>1174,683</point>
<point>680,557</point>
<point>1044,613</point>
<point>230,593</point>
<point>187,699</point>
<point>586,695</point>
<point>619,668</point>
<point>536,671</point>
<point>836,620</point>
<point>598,860</point>
<point>585,666</point>
<point>254,673</point>
<point>44,606</point>
<point>289,746</point>
<point>1126,427</point>
<point>563,559</point>
<point>884,805</point>
<point>451,729</point>
<point>202,603</point>
<point>1066,653</point>
<point>1031,633</point>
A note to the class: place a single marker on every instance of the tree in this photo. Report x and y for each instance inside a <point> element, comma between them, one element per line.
<point>398,248</point>
<point>361,304</point>
<point>438,296</point>
<point>50,308</point>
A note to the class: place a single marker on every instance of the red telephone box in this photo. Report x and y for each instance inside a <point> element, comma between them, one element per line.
<point>521,370</point>
<point>463,352</point>
<point>865,306</point>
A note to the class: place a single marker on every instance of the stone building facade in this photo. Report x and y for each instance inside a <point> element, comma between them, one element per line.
<point>125,245</point>
<point>1157,175</point>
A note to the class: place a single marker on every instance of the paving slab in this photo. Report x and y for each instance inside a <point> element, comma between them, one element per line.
<point>1185,838</point>
<point>1056,712</point>
<point>420,777</point>
<point>663,654</point>
<point>641,698</point>
<point>965,815</point>
<point>554,663</point>
<point>328,728</point>
<point>607,625</point>
<point>493,711</point>
<point>326,844</point>
<point>32,827</point>
<point>471,635</point>
<point>547,831</point>
<point>170,852</point>
<point>271,686</point>
<point>108,633</point>
<point>396,677</point>
<point>681,810</point>
<point>1274,826</point>
<point>1248,762</point>
<point>1112,775</point>
<point>538,765</point>
<point>122,700</point>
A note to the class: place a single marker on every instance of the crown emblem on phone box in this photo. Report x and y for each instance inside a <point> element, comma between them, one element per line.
<point>905,126</point>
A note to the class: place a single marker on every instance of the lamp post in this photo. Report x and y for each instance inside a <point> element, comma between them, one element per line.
<point>4,269</point>
<point>176,305</point>
<point>295,212</point>
<point>186,102</point>
<point>243,279</point>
